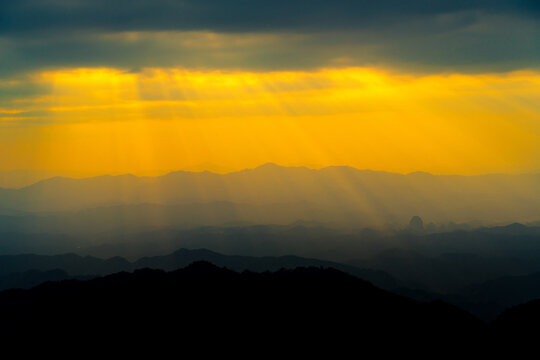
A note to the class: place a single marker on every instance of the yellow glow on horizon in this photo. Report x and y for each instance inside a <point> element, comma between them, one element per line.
<point>107,120</point>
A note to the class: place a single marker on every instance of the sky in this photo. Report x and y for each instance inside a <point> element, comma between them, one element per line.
<point>140,86</point>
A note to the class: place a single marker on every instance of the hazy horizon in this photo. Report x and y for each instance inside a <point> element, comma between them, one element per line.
<point>18,178</point>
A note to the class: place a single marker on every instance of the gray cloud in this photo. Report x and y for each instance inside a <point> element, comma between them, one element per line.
<point>235,15</point>
<point>19,88</point>
<point>423,34</point>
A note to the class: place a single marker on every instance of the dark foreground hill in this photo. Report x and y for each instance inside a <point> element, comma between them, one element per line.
<point>521,320</point>
<point>311,309</point>
<point>517,327</point>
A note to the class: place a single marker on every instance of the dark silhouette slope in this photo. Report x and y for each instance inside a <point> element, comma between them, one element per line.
<point>31,278</point>
<point>184,257</point>
<point>521,318</point>
<point>71,263</point>
<point>507,290</point>
<point>517,327</point>
<point>15,269</point>
<point>309,308</point>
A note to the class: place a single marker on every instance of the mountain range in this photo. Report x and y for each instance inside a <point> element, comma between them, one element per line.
<point>308,309</point>
<point>486,293</point>
<point>21,271</point>
<point>272,194</point>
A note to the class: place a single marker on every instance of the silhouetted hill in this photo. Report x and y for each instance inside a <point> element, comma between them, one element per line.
<point>519,324</point>
<point>70,263</point>
<point>485,300</point>
<point>184,257</point>
<point>31,278</point>
<point>448,272</point>
<point>21,178</point>
<point>308,309</point>
<point>129,233</point>
<point>508,290</point>
<point>12,267</point>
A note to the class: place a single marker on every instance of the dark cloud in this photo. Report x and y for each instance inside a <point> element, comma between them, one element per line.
<point>491,34</point>
<point>235,15</point>
<point>19,88</point>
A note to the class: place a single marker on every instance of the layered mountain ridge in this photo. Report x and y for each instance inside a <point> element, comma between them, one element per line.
<point>276,194</point>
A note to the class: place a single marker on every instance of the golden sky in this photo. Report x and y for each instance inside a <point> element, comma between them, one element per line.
<point>105,120</point>
<point>151,86</point>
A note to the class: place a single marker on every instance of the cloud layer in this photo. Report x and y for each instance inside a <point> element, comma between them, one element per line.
<point>424,35</point>
<point>238,15</point>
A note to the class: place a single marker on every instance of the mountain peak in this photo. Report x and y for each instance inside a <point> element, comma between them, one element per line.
<point>195,252</point>
<point>269,165</point>
<point>275,167</point>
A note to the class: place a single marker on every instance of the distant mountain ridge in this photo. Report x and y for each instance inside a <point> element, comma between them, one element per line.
<point>14,269</point>
<point>332,194</point>
<point>184,257</point>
